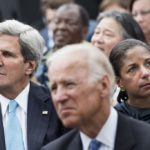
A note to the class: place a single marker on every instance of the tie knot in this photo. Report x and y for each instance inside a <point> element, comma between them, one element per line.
<point>94,145</point>
<point>12,106</point>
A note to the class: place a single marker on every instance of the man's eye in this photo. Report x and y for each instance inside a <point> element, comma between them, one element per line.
<point>69,84</point>
<point>53,88</point>
<point>96,32</point>
<point>148,63</point>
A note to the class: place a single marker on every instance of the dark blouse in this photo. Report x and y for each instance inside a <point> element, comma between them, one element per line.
<point>137,113</point>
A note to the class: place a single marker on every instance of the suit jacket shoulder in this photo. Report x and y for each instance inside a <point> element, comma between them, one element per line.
<point>43,125</point>
<point>70,141</point>
<point>132,134</point>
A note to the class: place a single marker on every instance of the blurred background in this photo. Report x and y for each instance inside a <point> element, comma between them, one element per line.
<point>28,11</point>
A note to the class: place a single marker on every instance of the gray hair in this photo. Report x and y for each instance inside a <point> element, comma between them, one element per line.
<point>97,61</point>
<point>31,42</point>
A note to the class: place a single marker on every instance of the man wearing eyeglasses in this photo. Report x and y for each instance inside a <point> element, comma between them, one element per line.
<point>140,10</point>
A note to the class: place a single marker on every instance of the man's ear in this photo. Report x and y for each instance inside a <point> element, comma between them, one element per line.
<point>30,68</point>
<point>104,86</point>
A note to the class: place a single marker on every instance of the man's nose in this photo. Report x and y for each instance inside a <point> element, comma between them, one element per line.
<point>139,17</point>
<point>62,25</point>
<point>60,95</point>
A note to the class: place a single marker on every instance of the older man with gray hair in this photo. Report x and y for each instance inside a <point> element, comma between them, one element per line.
<point>27,118</point>
<point>81,82</point>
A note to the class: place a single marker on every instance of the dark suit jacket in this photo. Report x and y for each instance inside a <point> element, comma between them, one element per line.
<point>131,135</point>
<point>41,128</point>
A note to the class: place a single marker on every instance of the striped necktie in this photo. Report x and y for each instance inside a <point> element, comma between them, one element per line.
<point>13,131</point>
<point>94,145</point>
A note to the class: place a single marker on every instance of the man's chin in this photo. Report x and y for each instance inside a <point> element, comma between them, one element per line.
<point>60,44</point>
<point>69,123</point>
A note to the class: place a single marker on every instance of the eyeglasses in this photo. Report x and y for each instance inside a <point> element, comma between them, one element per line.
<point>142,13</point>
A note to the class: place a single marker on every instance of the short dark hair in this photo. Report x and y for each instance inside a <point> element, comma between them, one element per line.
<point>84,16</point>
<point>53,4</point>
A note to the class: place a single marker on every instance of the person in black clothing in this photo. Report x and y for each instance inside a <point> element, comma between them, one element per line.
<point>131,62</point>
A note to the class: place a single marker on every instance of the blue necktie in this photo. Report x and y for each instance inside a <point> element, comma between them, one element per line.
<point>13,132</point>
<point>94,145</point>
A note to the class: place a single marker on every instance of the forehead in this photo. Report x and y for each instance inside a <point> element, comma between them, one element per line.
<point>138,52</point>
<point>68,63</point>
<point>8,42</point>
<point>140,3</point>
<point>68,12</point>
<point>73,70</point>
<point>109,24</point>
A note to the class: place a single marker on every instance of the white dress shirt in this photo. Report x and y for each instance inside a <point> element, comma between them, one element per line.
<point>106,135</point>
<point>21,111</point>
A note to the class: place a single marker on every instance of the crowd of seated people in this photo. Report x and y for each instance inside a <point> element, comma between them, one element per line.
<point>83,86</point>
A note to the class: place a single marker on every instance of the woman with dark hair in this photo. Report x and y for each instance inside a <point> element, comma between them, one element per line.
<point>114,27</point>
<point>131,63</point>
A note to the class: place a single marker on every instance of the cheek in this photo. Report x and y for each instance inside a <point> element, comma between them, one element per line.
<point>93,39</point>
<point>13,67</point>
<point>114,41</point>
<point>131,83</point>
<point>109,45</point>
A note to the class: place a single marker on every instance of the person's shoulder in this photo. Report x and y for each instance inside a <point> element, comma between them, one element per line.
<point>138,127</point>
<point>123,108</point>
<point>62,141</point>
<point>38,89</point>
<point>132,133</point>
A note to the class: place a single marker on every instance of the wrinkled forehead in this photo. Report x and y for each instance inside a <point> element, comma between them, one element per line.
<point>68,61</point>
<point>138,50</point>
<point>140,3</point>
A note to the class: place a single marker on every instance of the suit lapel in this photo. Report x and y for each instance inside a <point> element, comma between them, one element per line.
<point>2,141</point>
<point>76,143</point>
<point>37,117</point>
<point>124,137</point>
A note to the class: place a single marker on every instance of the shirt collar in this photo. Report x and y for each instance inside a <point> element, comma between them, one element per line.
<point>21,99</point>
<point>106,135</point>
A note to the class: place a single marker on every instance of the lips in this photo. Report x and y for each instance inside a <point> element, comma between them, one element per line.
<point>66,110</point>
<point>1,73</point>
<point>61,35</point>
<point>99,46</point>
<point>145,85</point>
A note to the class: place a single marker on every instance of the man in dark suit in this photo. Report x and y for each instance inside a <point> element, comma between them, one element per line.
<point>21,48</point>
<point>82,83</point>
